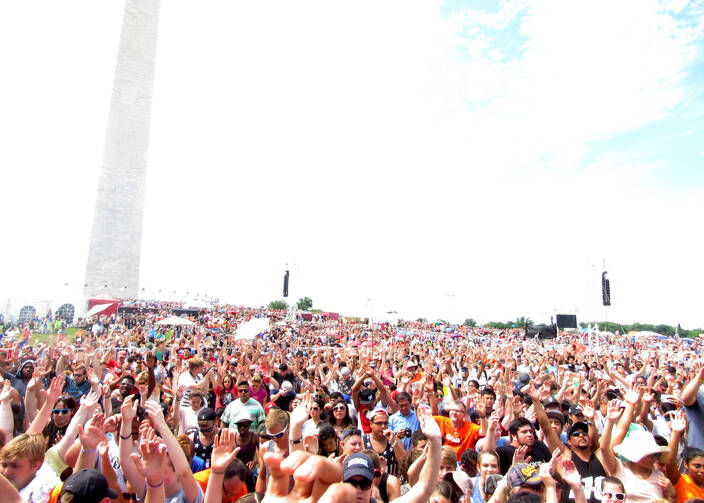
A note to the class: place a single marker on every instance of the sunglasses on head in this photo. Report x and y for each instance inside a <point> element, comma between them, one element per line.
<point>274,436</point>
<point>614,496</point>
<point>361,484</point>
<point>61,411</point>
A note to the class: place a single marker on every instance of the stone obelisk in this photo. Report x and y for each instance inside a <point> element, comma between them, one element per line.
<point>116,239</point>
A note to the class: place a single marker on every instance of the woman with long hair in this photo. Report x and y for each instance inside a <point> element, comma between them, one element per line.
<point>340,416</point>
<point>226,392</point>
<point>61,415</point>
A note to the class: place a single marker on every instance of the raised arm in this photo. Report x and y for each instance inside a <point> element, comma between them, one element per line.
<point>689,393</point>
<point>678,425</point>
<point>88,403</point>
<point>613,413</point>
<point>224,452</point>
<point>422,490</point>
<point>181,465</point>
<point>130,470</point>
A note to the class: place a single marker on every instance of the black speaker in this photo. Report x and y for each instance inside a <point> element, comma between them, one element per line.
<point>605,290</point>
<point>566,321</point>
<point>286,284</point>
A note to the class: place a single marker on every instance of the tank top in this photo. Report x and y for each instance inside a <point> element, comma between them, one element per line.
<point>388,454</point>
<point>202,451</point>
<point>246,453</point>
<point>592,473</point>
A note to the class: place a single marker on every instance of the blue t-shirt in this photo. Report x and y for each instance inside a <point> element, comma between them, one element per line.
<point>76,390</point>
<point>695,418</point>
<point>398,422</point>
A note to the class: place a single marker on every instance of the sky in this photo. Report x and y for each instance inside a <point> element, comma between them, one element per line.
<point>441,159</point>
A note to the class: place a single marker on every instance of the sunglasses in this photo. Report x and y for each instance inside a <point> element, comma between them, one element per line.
<point>243,390</point>
<point>205,428</point>
<point>274,436</point>
<point>362,484</point>
<point>339,407</point>
<point>579,433</point>
<point>79,375</point>
<point>614,496</point>
<point>380,423</point>
<point>315,408</point>
<point>61,411</point>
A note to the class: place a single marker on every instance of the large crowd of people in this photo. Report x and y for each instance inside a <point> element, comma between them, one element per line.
<point>326,410</point>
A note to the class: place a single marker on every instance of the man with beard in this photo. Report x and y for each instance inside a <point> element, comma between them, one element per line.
<point>125,389</point>
<point>522,437</point>
<point>582,445</point>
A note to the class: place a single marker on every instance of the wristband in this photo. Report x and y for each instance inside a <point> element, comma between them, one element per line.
<point>217,473</point>
<point>89,451</point>
<point>125,438</point>
<point>157,486</point>
<point>294,442</point>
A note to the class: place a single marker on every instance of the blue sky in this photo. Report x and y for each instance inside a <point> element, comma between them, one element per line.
<point>482,158</point>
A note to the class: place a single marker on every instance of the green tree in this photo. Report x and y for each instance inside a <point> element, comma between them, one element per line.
<point>305,303</point>
<point>469,322</point>
<point>278,304</point>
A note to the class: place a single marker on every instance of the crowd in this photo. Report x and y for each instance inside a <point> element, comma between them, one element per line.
<point>128,410</point>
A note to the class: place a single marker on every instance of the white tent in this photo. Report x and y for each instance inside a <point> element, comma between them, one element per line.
<point>175,320</point>
<point>249,329</point>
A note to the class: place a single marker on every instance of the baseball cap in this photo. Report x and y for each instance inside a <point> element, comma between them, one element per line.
<point>575,410</point>
<point>460,479</point>
<point>207,414</point>
<point>242,416</point>
<point>367,396</point>
<point>345,371</point>
<point>358,464</point>
<point>557,415</point>
<point>522,474</point>
<point>579,425</point>
<point>89,485</point>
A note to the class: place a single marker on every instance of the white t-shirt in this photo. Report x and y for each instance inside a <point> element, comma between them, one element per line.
<point>39,489</point>
<point>187,380</point>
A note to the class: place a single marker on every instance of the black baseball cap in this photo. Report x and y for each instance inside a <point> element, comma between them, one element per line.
<point>89,485</point>
<point>358,464</point>
<point>207,414</point>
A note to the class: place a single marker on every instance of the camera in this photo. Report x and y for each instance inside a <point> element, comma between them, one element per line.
<point>408,433</point>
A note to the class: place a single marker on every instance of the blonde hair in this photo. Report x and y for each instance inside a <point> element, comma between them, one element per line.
<point>448,456</point>
<point>195,362</point>
<point>276,417</point>
<point>24,446</point>
<point>142,378</point>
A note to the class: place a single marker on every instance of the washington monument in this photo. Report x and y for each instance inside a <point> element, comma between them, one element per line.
<point>116,239</point>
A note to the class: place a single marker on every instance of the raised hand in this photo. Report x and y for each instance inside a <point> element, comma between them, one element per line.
<point>151,461</point>
<point>302,410</point>
<point>588,412</point>
<point>613,411</point>
<point>428,425</point>
<point>90,400</point>
<point>6,392</point>
<point>679,422</point>
<point>93,434</point>
<point>156,414</point>
<point>224,451</point>
<point>520,455</point>
<point>570,473</point>
<point>128,410</point>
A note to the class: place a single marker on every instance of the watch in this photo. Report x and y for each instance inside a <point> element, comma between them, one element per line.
<point>294,442</point>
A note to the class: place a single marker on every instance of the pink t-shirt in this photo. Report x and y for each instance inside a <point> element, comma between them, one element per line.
<point>639,490</point>
<point>261,396</point>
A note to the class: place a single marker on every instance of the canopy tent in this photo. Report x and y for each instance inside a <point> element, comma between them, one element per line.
<point>97,309</point>
<point>107,300</point>
<point>175,320</point>
<point>250,329</point>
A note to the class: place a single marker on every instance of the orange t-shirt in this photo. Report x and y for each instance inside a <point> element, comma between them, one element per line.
<point>204,476</point>
<point>460,440</point>
<point>686,489</point>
